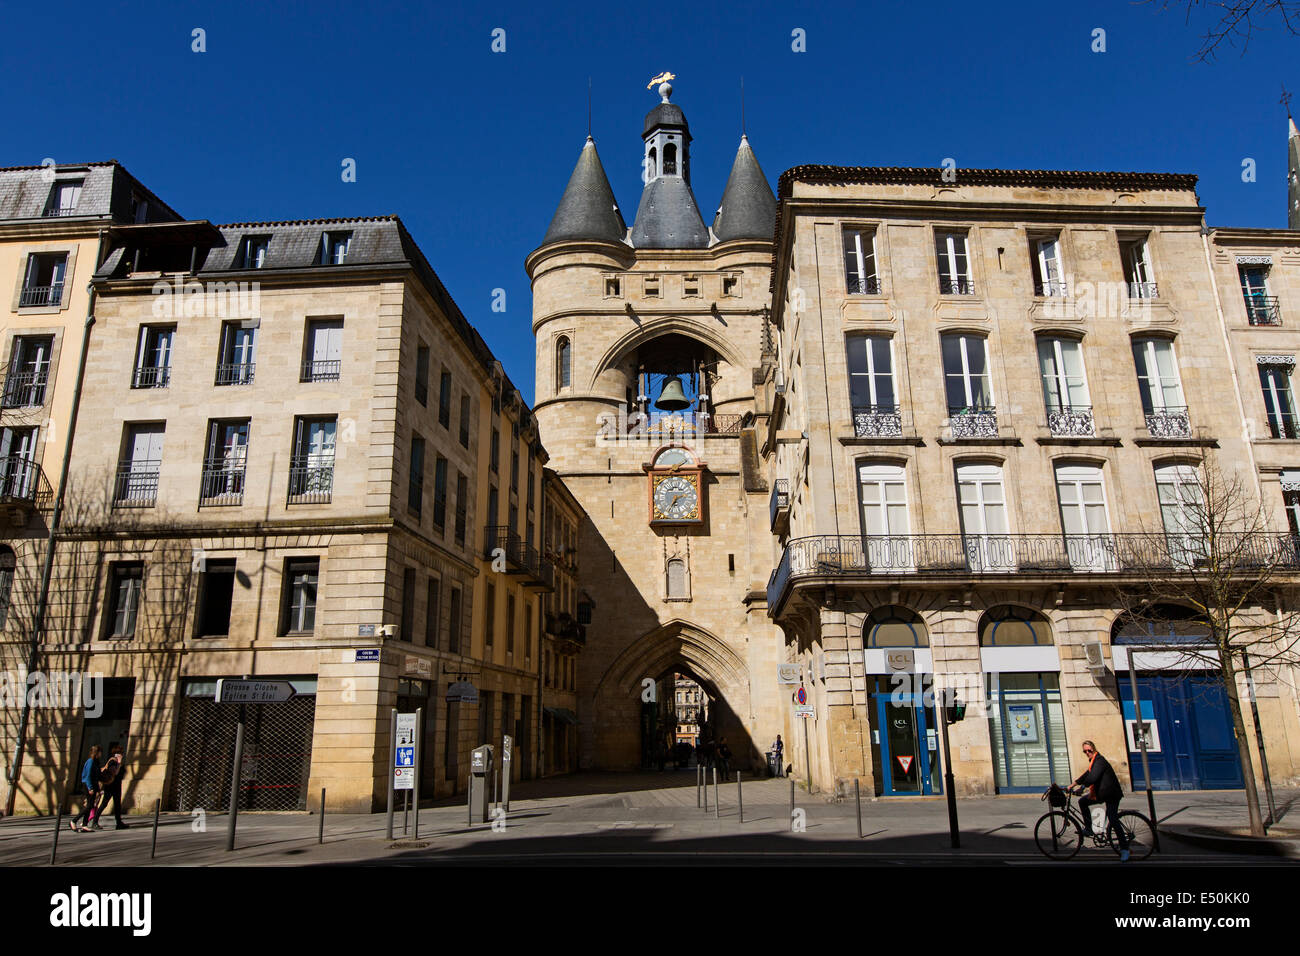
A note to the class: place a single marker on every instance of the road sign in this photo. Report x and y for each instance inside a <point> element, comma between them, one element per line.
<point>405,757</point>
<point>462,691</point>
<point>403,778</point>
<point>253,691</point>
<point>803,710</point>
<point>904,762</point>
<point>405,730</point>
<point>367,654</point>
<point>801,695</point>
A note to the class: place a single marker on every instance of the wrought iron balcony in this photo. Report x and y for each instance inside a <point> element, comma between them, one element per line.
<point>23,482</point>
<point>314,371</point>
<point>1143,290</point>
<point>41,295</point>
<point>152,376</point>
<point>956,285</point>
<point>54,212</point>
<point>877,421</point>
<point>1284,426</point>
<point>1169,422</point>
<point>311,480</point>
<point>866,558</point>
<point>564,627</point>
<point>1263,310</point>
<point>223,482</point>
<point>863,285</point>
<point>520,558</point>
<point>235,373</point>
<point>779,506</point>
<point>1049,289</point>
<point>25,389</point>
<point>1071,421</point>
<point>137,484</point>
<point>974,422</point>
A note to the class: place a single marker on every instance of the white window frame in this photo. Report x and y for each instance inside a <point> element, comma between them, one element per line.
<point>1284,403</point>
<point>946,259</point>
<point>1092,548</point>
<point>1186,539</point>
<point>891,551</point>
<point>864,261</point>
<point>1051,274</point>
<point>985,549</point>
<point>963,338</point>
<point>1152,380</point>
<point>1060,377</point>
<point>871,372</point>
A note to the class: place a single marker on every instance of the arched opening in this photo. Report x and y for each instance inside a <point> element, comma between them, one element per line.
<point>651,164</point>
<point>672,387</point>
<point>563,362</point>
<point>1011,626</point>
<point>894,626</point>
<point>670,159</point>
<point>678,583</point>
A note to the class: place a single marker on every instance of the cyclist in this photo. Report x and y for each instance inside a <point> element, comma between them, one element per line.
<point>1103,787</point>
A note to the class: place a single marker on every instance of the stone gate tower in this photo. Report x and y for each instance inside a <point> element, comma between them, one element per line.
<point>647,340</point>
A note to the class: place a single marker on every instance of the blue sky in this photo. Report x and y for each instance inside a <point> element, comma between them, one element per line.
<point>473,148</point>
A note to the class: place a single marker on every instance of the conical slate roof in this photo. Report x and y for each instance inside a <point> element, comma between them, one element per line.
<point>668,217</point>
<point>748,207</point>
<point>587,209</point>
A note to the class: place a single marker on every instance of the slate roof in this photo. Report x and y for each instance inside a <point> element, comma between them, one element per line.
<point>668,218</point>
<point>106,192</point>
<point>587,209</point>
<point>666,116</point>
<point>748,207</point>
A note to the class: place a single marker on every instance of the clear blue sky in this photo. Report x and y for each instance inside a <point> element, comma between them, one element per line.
<point>473,148</point>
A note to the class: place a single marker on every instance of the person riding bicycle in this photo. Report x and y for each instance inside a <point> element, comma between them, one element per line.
<point>1103,787</point>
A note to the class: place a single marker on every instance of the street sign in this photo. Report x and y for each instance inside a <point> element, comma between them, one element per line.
<point>367,654</point>
<point>905,763</point>
<point>406,730</point>
<point>253,691</point>
<point>403,778</point>
<point>801,695</point>
<point>405,757</point>
<point>462,691</point>
<point>803,710</point>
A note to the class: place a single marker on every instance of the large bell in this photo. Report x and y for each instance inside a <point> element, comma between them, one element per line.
<point>672,398</point>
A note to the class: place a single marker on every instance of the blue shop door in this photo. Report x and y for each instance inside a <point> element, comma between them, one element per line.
<point>1190,744</point>
<point>909,751</point>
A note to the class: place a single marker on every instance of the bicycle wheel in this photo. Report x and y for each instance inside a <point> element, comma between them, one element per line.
<point>1137,828</point>
<point>1058,837</point>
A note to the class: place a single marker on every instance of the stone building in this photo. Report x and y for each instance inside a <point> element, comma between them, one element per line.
<point>647,337</point>
<point>566,612</point>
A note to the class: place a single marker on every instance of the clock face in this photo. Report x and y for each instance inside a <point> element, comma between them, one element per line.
<point>676,498</point>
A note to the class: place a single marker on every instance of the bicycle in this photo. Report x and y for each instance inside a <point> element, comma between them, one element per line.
<point>1059,832</point>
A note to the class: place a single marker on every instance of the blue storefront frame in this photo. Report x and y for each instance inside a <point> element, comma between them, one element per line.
<point>1197,748</point>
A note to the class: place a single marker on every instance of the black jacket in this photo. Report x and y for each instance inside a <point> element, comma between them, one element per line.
<point>1101,776</point>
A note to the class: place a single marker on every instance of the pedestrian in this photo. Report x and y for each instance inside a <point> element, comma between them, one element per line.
<point>1103,787</point>
<point>724,758</point>
<point>778,748</point>
<point>113,772</point>
<point>90,784</point>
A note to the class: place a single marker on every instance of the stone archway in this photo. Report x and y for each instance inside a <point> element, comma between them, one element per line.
<point>612,723</point>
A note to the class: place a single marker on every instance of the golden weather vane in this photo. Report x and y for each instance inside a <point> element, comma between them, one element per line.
<point>663,77</point>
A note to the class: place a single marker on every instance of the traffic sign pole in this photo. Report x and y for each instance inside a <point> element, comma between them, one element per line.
<point>419,757</point>
<point>235,774</point>
<point>953,832</point>
<point>392,760</point>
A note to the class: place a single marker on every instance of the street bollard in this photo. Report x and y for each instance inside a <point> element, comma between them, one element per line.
<point>857,795</point>
<point>469,800</point>
<point>792,794</point>
<point>320,833</point>
<point>699,777</point>
<point>716,801</point>
<point>58,825</point>
<point>706,794</point>
<point>740,798</point>
<point>153,846</point>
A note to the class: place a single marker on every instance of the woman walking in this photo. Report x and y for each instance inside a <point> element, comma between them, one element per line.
<point>89,783</point>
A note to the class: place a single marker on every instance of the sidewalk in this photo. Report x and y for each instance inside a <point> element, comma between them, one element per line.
<point>628,818</point>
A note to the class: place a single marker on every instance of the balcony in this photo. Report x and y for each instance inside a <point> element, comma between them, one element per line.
<point>674,425</point>
<point>25,389</point>
<point>877,421</point>
<point>866,559</point>
<point>863,285</point>
<point>956,285</point>
<point>152,376</point>
<point>1284,426</point>
<point>136,485</point>
<point>1071,421</point>
<point>976,422</point>
<point>1169,422</point>
<point>322,371</point>
<point>520,559</point>
<point>54,212</point>
<point>311,480</point>
<point>1143,290</point>
<point>563,627</point>
<point>779,506</point>
<point>223,483</point>
<point>43,296</point>
<point>23,483</point>
<point>235,373</point>
<point>1263,310</point>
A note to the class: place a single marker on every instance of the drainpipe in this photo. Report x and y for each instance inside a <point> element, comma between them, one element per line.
<point>47,568</point>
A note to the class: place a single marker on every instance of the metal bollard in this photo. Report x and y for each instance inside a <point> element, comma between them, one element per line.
<point>320,833</point>
<point>740,798</point>
<point>58,825</point>
<point>792,794</point>
<point>469,800</point>
<point>706,794</point>
<point>153,846</point>
<point>716,800</point>
<point>857,795</point>
<point>699,777</point>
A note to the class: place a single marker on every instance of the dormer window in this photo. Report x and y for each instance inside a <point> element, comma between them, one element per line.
<point>139,209</point>
<point>64,198</point>
<point>254,253</point>
<point>334,248</point>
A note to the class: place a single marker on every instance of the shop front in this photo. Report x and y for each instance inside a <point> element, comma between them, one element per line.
<point>905,730</point>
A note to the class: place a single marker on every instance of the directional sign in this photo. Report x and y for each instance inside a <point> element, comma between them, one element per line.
<point>253,691</point>
<point>403,778</point>
<point>904,762</point>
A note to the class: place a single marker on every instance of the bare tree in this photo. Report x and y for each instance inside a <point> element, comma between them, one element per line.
<point>1218,557</point>
<point>1238,20</point>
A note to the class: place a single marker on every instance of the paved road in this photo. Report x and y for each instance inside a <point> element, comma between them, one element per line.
<point>629,818</point>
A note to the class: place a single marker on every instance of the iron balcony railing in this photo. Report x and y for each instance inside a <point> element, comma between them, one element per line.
<point>1143,290</point>
<point>235,373</point>
<point>322,371</point>
<point>223,482</point>
<point>877,421</point>
<point>152,376</point>
<point>52,212</point>
<point>863,285</point>
<point>311,480</point>
<point>849,556</point>
<point>25,389</point>
<point>1172,421</point>
<point>1071,421</point>
<point>137,484</point>
<point>24,482</point>
<point>520,558</point>
<point>780,501</point>
<point>1050,288</point>
<point>41,295</point>
<point>956,285</point>
<point>1263,310</point>
<point>1284,426</point>
<point>977,421</point>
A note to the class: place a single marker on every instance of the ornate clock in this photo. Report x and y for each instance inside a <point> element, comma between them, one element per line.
<point>676,488</point>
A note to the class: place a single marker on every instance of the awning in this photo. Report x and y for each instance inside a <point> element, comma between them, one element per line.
<point>562,714</point>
